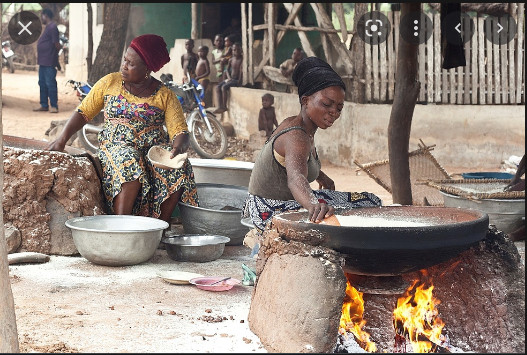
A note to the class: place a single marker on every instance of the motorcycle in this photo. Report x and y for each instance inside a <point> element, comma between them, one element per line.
<point>64,43</point>
<point>7,56</point>
<point>88,134</point>
<point>207,136</point>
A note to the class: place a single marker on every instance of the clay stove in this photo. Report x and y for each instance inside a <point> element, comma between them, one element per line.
<point>298,298</point>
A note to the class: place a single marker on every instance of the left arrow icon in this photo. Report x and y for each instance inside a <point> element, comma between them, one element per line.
<point>458,27</point>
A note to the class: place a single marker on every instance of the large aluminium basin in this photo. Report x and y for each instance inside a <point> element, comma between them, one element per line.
<point>219,212</point>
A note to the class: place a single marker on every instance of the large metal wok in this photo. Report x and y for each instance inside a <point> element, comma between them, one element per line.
<point>392,250</point>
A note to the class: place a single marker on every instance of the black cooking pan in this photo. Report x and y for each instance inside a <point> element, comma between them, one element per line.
<point>393,247</point>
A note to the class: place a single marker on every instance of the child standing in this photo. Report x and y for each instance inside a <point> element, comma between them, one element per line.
<point>233,75</point>
<point>217,53</point>
<point>227,55</point>
<point>267,117</point>
<point>189,60</point>
<point>203,67</point>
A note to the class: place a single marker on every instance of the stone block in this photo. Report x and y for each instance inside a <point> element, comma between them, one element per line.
<point>13,239</point>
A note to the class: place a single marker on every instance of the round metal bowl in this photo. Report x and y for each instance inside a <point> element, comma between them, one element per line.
<point>393,250</point>
<point>116,240</point>
<point>222,171</point>
<point>197,248</point>
<point>505,214</point>
<point>219,212</point>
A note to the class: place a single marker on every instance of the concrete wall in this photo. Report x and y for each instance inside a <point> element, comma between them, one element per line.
<point>464,135</point>
<point>77,69</point>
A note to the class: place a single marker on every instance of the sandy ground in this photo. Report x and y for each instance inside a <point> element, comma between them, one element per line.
<point>71,305</point>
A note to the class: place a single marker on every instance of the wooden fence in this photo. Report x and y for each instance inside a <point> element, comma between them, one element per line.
<point>494,74</point>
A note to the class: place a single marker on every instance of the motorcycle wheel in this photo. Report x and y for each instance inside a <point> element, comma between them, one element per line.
<point>11,64</point>
<point>207,145</point>
<point>88,137</point>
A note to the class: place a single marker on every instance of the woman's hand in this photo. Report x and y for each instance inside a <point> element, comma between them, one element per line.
<point>318,211</point>
<point>180,144</point>
<point>74,123</point>
<point>325,182</point>
<point>57,145</point>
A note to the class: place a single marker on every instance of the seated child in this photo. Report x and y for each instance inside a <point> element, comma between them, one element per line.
<point>267,117</point>
<point>227,55</point>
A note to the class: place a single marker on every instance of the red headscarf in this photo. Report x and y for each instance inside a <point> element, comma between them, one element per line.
<point>152,49</point>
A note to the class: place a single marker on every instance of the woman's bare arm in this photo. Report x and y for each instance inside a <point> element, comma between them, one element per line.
<point>75,122</point>
<point>296,146</point>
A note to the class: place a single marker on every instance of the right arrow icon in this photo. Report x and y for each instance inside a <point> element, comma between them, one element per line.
<point>500,26</point>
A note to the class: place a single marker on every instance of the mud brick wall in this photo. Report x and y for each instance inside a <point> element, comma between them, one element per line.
<point>42,190</point>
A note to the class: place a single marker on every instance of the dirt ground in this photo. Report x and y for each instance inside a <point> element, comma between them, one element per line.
<point>71,305</point>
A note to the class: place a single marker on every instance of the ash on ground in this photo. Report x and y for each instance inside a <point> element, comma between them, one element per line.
<point>346,344</point>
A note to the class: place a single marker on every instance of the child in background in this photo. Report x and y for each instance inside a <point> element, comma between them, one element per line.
<point>233,74</point>
<point>227,55</point>
<point>189,60</point>
<point>217,53</point>
<point>267,117</point>
<point>203,67</point>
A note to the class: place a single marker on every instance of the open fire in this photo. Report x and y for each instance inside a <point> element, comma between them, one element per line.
<point>415,320</point>
<point>351,319</point>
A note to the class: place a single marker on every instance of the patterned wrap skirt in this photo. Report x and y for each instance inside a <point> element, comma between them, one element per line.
<point>261,210</point>
<point>124,145</point>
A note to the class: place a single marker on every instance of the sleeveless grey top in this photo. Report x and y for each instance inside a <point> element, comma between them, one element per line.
<point>269,177</point>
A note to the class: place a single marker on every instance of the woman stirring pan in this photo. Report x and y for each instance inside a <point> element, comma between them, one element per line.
<point>289,162</point>
<point>136,109</point>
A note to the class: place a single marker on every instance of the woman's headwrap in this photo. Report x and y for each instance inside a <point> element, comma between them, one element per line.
<point>313,74</point>
<point>152,49</point>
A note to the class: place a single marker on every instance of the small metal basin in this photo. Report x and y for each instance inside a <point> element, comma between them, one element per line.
<point>386,250</point>
<point>116,240</point>
<point>196,248</point>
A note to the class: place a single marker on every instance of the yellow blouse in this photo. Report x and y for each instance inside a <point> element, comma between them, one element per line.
<point>119,104</point>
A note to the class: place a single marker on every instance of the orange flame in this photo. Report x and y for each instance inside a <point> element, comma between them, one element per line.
<point>351,318</point>
<point>417,317</point>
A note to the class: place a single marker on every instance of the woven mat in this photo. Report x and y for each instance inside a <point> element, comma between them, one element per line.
<point>477,188</point>
<point>423,167</point>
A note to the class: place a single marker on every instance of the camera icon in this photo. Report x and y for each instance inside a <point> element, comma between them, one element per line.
<point>373,27</point>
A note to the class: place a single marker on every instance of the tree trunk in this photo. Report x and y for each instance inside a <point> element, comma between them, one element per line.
<point>110,50</point>
<point>405,98</point>
<point>194,25</point>
<point>8,329</point>
<point>357,47</point>
<point>89,56</point>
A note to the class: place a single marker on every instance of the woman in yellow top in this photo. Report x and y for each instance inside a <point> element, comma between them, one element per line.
<point>136,108</point>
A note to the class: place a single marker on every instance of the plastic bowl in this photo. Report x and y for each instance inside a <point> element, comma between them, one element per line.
<point>204,283</point>
<point>487,175</point>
